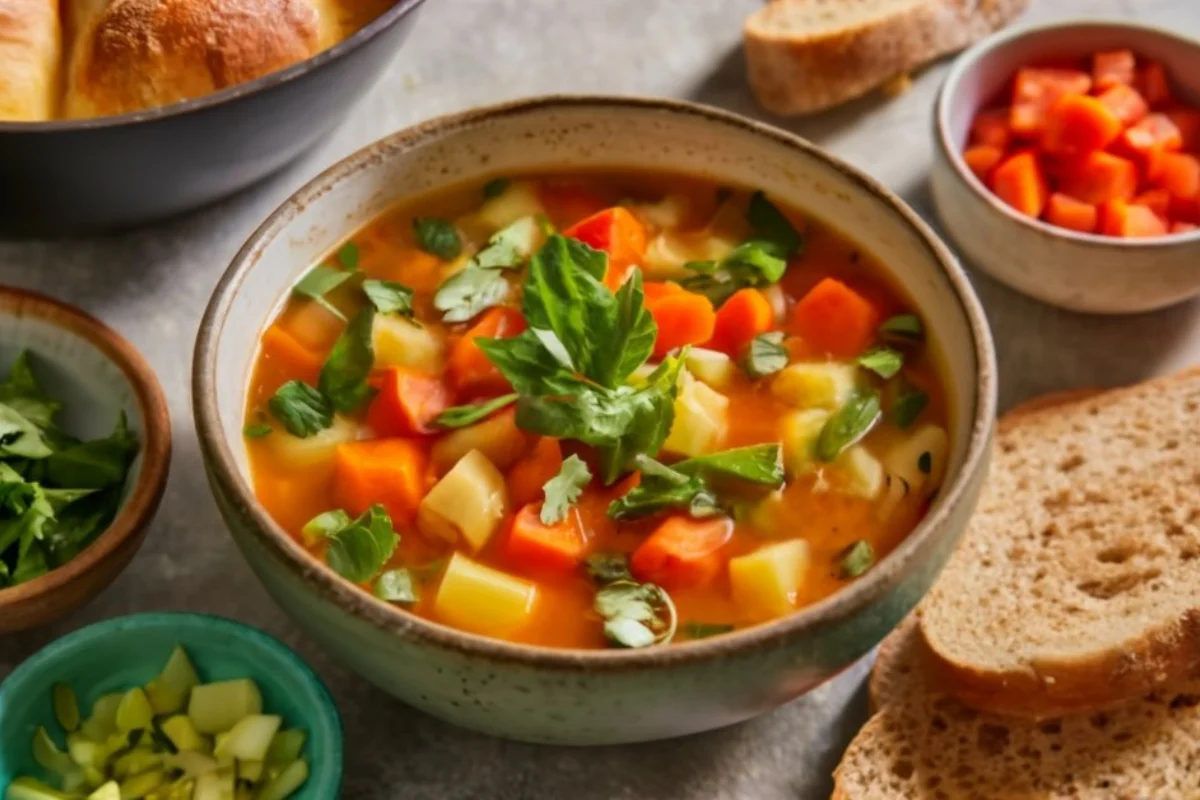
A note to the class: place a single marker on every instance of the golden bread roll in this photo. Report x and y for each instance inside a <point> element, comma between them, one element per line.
<point>128,55</point>
<point>30,54</point>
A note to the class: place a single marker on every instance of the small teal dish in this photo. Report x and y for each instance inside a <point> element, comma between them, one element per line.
<point>120,653</point>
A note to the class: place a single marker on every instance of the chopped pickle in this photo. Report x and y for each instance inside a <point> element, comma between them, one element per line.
<point>182,733</point>
<point>107,791</point>
<point>217,707</point>
<point>104,718</point>
<point>291,778</point>
<point>66,706</point>
<point>134,712</point>
<point>219,785</point>
<point>142,784</point>
<point>250,738</point>
<point>251,771</point>
<point>286,747</point>
<point>85,752</point>
<point>46,753</point>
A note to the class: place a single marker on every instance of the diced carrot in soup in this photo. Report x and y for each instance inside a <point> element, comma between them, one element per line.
<point>1157,200</point>
<point>281,350</point>
<point>1187,121</point>
<point>742,317</point>
<point>1125,103</point>
<point>528,476</point>
<point>1067,212</point>
<point>982,159</point>
<point>391,472</point>
<point>1079,124</point>
<point>1183,227</point>
<point>1020,182</point>
<point>835,319</point>
<point>682,552</point>
<point>1099,177</point>
<point>1119,218</point>
<point>1179,175</point>
<point>618,233</point>
<point>990,128</point>
<point>682,318</point>
<point>471,373</point>
<point>1113,68</point>
<point>1036,90</point>
<point>406,402</point>
<point>535,546</point>
<point>1153,84</point>
<point>1153,132</point>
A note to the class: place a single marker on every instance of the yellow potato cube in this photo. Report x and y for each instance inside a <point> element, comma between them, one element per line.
<point>497,437</point>
<point>859,473</point>
<point>312,450</point>
<point>700,419</point>
<point>469,503</point>
<point>482,599</point>
<point>711,366</point>
<point>810,385</point>
<point>667,253</point>
<point>520,199</point>
<point>765,582</point>
<point>401,343</point>
<point>801,429</point>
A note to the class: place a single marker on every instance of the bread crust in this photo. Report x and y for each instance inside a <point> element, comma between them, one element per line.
<point>791,73</point>
<point>30,52</point>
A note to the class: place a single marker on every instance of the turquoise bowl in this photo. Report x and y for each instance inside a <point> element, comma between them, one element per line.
<point>120,653</point>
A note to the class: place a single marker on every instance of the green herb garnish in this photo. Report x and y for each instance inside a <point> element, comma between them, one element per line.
<point>344,375</point>
<point>348,256</point>
<point>751,264</point>
<point>771,225</point>
<point>320,281</point>
<point>257,430</point>
<point>563,490</point>
<point>324,524</point>
<point>856,559</point>
<point>389,297</point>
<point>757,463</point>
<point>703,630</point>
<point>462,416</point>
<point>468,292</point>
<point>849,424</point>
<point>902,328</point>
<point>635,614</point>
<point>883,361</point>
<point>495,187</point>
<point>359,548</point>
<point>766,355</point>
<point>608,567</point>
<point>907,406</point>
<point>396,586</point>
<point>438,237</point>
<point>685,485</point>
<point>302,409</point>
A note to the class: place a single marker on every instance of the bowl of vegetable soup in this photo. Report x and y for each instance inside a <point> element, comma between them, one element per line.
<point>594,420</point>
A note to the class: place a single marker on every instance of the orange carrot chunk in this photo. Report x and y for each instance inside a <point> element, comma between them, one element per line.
<point>1125,103</point>
<point>1067,212</point>
<point>982,159</point>
<point>1153,131</point>
<point>1112,68</point>
<point>291,357</point>
<point>990,128</point>
<point>469,371</point>
<point>406,402</point>
<point>682,318</point>
<point>1179,174</point>
<point>1187,120</point>
<point>1036,90</point>
<point>534,545</point>
<point>682,552</point>
<point>745,315</point>
<point>1157,200</point>
<point>527,478</point>
<point>391,472</point>
<point>1151,82</point>
<point>1019,181</point>
<point>617,232</point>
<point>1078,124</point>
<point>1100,176</point>
<point>835,319</point>
<point>1119,218</point>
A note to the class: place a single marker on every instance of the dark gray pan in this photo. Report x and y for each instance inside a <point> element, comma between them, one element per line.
<point>116,172</point>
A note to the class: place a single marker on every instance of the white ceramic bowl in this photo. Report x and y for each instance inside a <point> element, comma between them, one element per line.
<point>1079,271</point>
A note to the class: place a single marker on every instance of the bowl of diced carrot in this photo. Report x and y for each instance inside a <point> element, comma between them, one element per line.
<point>1067,163</point>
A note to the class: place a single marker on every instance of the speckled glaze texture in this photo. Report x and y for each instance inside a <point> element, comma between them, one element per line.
<point>576,696</point>
<point>1081,272</point>
<point>97,375</point>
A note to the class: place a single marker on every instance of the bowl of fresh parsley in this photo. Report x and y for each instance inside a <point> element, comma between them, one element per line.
<point>85,443</point>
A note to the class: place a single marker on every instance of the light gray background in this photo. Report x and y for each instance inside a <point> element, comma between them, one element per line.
<point>152,285</point>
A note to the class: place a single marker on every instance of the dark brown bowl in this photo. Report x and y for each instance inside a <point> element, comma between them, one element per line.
<point>80,176</point>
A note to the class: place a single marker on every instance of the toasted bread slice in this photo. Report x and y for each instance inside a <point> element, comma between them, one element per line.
<point>1078,584</point>
<point>807,55</point>
<point>924,745</point>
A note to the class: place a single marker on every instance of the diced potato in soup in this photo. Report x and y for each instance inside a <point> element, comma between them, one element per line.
<point>597,410</point>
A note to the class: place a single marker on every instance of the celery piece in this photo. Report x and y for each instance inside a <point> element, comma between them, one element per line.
<point>46,753</point>
<point>134,712</point>
<point>217,707</point>
<point>286,747</point>
<point>182,733</point>
<point>285,783</point>
<point>66,706</point>
<point>142,784</point>
<point>107,791</point>
<point>250,738</point>
<point>30,789</point>
<point>103,721</point>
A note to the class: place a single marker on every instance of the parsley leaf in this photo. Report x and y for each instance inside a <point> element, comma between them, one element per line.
<point>771,225</point>
<point>462,416</point>
<point>257,430</point>
<point>396,586</point>
<point>907,406</point>
<point>22,393</point>
<point>344,375</point>
<point>757,463</point>
<point>635,614</point>
<point>358,550</point>
<point>902,328</point>
<point>563,490</point>
<point>608,567</point>
<point>751,264</point>
<point>766,355</point>
<point>510,245</point>
<point>438,237</point>
<point>302,409</point>
<point>348,256</point>
<point>662,488</point>
<point>856,559</point>
<point>848,424</point>
<point>389,297</point>
<point>469,291</point>
<point>97,464</point>
<point>320,281</point>
<point>323,525</point>
<point>495,187</point>
<point>883,361</point>
<point>19,437</point>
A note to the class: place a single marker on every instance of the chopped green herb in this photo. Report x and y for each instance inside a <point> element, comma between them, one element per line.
<point>389,297</point>
<point>883,361</point>
<point>757,463</point>
<point>348,256</point>
<point>766,355</point>
<point>856,559</point>
<point>925,462</point>
<point>344,375</point>
<point>462,416</point>
<point>468,292</point>
<point>396,586</point>
<point>848,424</point>
<point>495,187</point>
<point>608,567</point>
<point>661,489</point>
<point>320,281</point>
<point>510,245</point>
<point>751,264</point>
<point>771,225</point>
<point>563,490</point>
<point>703,630</point>
<point>323,525</point>
<point>635,614</point>
<point>302,409</point>
<point>97,464</point>
<point>438,237</point>
<point>907,406</point>
<point>257,430</point>
<point>902,328</point>
<point>359,549</point>
<point>22,393</point>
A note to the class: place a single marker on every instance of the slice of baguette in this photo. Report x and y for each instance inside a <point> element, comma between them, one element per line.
<point>924,745</point>
<point>1078,584</point>
<point>807,55</point>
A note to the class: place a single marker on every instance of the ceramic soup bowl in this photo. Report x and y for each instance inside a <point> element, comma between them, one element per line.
<point>590,696</point>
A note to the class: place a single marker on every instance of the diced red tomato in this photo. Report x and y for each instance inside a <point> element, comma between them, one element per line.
<point>468,369</point>
<point>617,232</point>
<point>406,402</point>
<point>1036,90</point>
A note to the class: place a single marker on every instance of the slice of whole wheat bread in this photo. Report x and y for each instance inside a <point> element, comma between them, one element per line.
<point>807,55</point>
<point>924,745</point>
<point>1078,583</point>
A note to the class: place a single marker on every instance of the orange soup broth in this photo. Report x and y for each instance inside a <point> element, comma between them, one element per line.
<point>563,616</point>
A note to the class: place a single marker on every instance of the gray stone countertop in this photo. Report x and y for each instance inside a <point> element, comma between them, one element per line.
<point>153,284</point>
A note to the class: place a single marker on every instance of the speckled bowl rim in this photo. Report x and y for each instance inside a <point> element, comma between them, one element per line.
<point>227,95</point>
<point>143,500</point>
<point>968,62</point>
<point>84,637</point>
<point>330,586</point>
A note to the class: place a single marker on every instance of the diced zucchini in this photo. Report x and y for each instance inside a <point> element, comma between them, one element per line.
<point>919,458</point>
<point>250,738</point>
<point>142,784</point>
<point>286,747</point>
<point>217,707</point>
<point>669,251</point>
<point>85,752</point>
<point>312,450</point>
<point>700,419</point>
<point>46,753</point>
<point>183,734</point>
<point>219,785</point>
<point>815,385</point>
<point>859,473</point>
<point>289,779</point>
<point>800,431</point>
<point>520,199</point>
<point>103,720</point>
<point>30,789</point>
<point>398,342</point>
<point>135,762</point>
<point>251,771</point>
<point>191,763</point>
<point>469,503</point>
<point>106,791</point>
<point>484,600</point>
<point>135,711</point>
<point>711,366</point>
<point>168,692</point>
<point>66,706</point>
<point>497,437</point>
<point>765,582</point>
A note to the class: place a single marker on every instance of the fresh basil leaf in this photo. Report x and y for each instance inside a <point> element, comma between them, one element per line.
<point>529,366</point>
<point>344,375</point>
<point>302,409</point>
<point>632,335</point>
<point>653,495</point>
<point>438,237</point>
<point>495,187</point>
<point>766,355</point>
<point>849,424</point>
<point>348,256</point>
<point>608,567</point>
<point>902,328</point>
<point>770,224</point>
<point>462,416</point>
<point>635,615</point>
<point>320,281</point>
<point>389,297</point>
<point>856,559</point>
<point>563,490</point>
<point>359,550</point>
<point>324,525</point>
<point>257,430</point>
<point>396,586</point>
<point>22,392</point>
<point>20,437</point>
<point>703,630</point>
<point>97,464</point>
<point>907,406</point>
<point>883,361</point>
<point>752,264</point>
<point>757,463</point>
<point>468,292</point>
<point>510,245</point>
